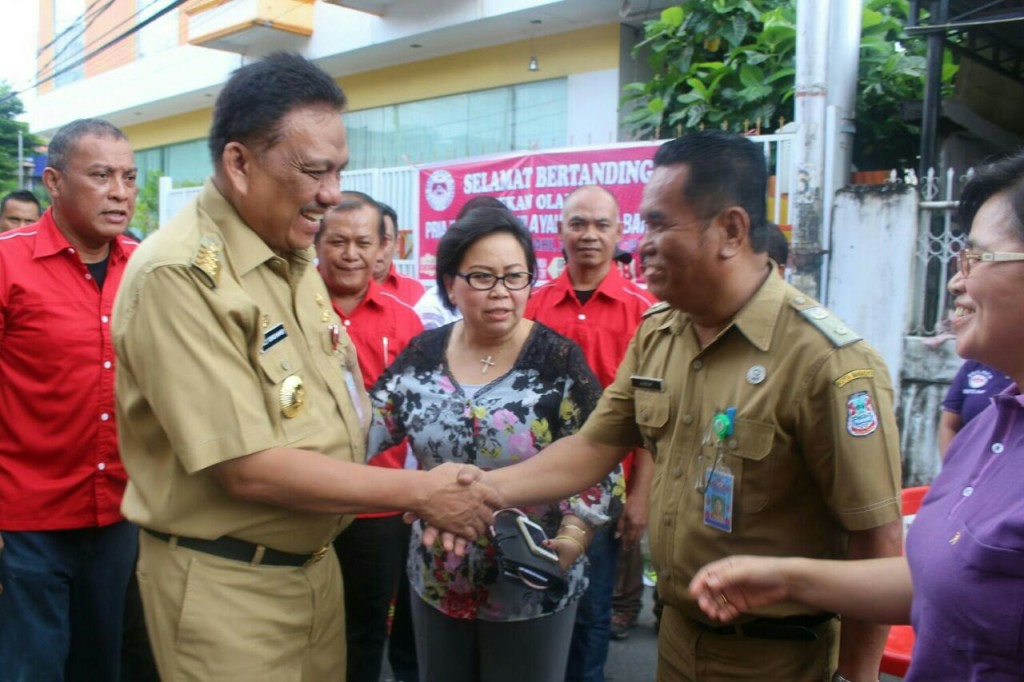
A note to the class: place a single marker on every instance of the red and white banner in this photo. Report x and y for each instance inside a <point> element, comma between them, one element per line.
<point>534,187</point>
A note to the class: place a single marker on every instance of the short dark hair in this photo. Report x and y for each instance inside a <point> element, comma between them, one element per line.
<point>476,224</point>
<point>67,137</point>
<point>778,245</point>
<point>387,212</point>
<point>258,96</point>
<point>726,170</point>
<point>20,195</point>
<point>1001,177</point>
<point>352,201</point>
<point>483,201</point>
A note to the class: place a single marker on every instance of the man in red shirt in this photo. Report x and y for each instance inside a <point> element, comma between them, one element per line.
<point>373,547</point>
<point>67,551</point>
<point>595,306</point>
<point>384,271</point>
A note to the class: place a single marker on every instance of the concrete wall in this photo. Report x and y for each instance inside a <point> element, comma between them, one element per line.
<point>872,286</point>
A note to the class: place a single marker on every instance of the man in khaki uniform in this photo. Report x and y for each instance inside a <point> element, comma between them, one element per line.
<point>770,422</point>
<point>240,403</point>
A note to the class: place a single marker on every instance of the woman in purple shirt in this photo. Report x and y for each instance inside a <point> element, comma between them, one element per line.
<point>969,394</point>
<point>961,583</point>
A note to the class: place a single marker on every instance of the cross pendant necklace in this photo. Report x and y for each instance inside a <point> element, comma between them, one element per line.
<point>486,363</point>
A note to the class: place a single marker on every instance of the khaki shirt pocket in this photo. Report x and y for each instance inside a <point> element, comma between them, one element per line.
<point>287,393</point>
<point>749,447</point>
<point>652,418</point>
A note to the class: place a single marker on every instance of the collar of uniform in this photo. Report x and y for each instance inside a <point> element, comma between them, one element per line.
<point>611,285</point>
<point>246,248</point>
<point>758,317</point>
<point>50,240</point>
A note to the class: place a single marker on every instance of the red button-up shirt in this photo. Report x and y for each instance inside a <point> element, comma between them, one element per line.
<point>603,326</point>
<point>407,289</point>
<point>59,463</point>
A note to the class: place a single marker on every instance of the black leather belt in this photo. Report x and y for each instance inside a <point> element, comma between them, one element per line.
<point>239,550</point>
<point>793,628</point>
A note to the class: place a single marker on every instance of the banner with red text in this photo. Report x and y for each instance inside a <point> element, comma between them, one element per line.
<point>534,187</point>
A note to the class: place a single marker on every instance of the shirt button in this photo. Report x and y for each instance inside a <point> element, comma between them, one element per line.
<point>285,365</point>
<point>687,419</point>
<point>968,491</point>
<point>677,472</point>
<point>101,466</point>
<point>348,323</point>
<point>88,276</point>
<point>997,448</point>
<point>798,299</point>
<point>104,319</point>
<point>108,364</point>
<point>104,417</point>
<point>581,316</point>
<point>71,249</point>
<point>697,364</point>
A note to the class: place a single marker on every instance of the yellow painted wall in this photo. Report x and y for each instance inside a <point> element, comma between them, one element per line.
<point>591,49</point>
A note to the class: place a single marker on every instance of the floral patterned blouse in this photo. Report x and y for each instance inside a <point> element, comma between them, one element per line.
<point>547,394</point>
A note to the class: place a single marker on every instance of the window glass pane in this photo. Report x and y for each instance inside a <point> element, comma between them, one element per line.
<point>540,115</point>
<point>159,35</point>
<point>529,116</point>
<point>189,162</point>
<point>69,41</point>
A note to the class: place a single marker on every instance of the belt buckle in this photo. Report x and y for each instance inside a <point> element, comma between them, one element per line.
<point>316,556</point>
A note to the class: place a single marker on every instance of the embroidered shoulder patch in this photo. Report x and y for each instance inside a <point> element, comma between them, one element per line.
<point>861,418</point>
<point>855,374</point>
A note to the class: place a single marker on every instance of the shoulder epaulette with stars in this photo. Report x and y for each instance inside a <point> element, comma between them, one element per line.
<point>207,260</point>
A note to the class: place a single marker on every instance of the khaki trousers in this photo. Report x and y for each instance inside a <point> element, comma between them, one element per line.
<point>688,654</point>
<point>216,619</point>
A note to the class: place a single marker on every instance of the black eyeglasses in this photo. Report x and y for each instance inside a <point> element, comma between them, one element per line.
<point>485,281</point>
<point>965,256</point>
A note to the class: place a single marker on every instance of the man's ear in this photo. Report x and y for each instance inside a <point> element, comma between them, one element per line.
<point>734,224</point>
<point>237,162</point>
<point>51,180</point>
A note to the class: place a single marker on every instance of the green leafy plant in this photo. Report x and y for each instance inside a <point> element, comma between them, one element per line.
<point>11,107</point>
<point>147,204</point>
<point>731,64</point>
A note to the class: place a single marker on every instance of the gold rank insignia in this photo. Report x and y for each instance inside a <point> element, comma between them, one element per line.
<point>293,396</point>
<point>207,260</point>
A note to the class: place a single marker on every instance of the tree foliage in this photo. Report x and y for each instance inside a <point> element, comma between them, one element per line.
<point>731,64</point>
<point>10,108</point>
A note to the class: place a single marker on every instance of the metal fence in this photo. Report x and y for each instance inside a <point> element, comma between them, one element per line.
<point>939,238</point>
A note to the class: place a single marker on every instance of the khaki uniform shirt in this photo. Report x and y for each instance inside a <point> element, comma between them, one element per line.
<point>814,450</point>
<point>213,331</point>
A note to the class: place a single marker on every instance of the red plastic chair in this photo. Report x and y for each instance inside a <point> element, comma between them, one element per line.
<point>896,657</point>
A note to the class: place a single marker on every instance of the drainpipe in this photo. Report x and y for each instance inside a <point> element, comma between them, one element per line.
<point>810,111</point>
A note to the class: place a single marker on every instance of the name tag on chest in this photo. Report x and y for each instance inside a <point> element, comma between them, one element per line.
<point>273,336</point>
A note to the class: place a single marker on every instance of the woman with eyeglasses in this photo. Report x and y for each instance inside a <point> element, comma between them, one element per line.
<point>489,390</point>
<point>961,583</point>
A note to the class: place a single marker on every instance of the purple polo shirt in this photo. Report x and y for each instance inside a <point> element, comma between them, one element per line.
<point>972,388</point>
<point>966,554</point>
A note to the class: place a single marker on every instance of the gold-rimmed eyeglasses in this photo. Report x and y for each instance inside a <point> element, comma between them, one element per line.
<point>966,255</point>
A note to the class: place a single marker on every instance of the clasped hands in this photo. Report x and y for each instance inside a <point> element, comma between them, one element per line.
<point>457,531</point>
<point>458,505</point>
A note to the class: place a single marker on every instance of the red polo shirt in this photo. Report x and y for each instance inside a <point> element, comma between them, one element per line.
<point>380,327</point>
<point>603,326</point>
<point>59,463</point>
<point>407,289</point>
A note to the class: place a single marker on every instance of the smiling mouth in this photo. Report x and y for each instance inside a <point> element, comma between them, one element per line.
<point>312,217</point>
